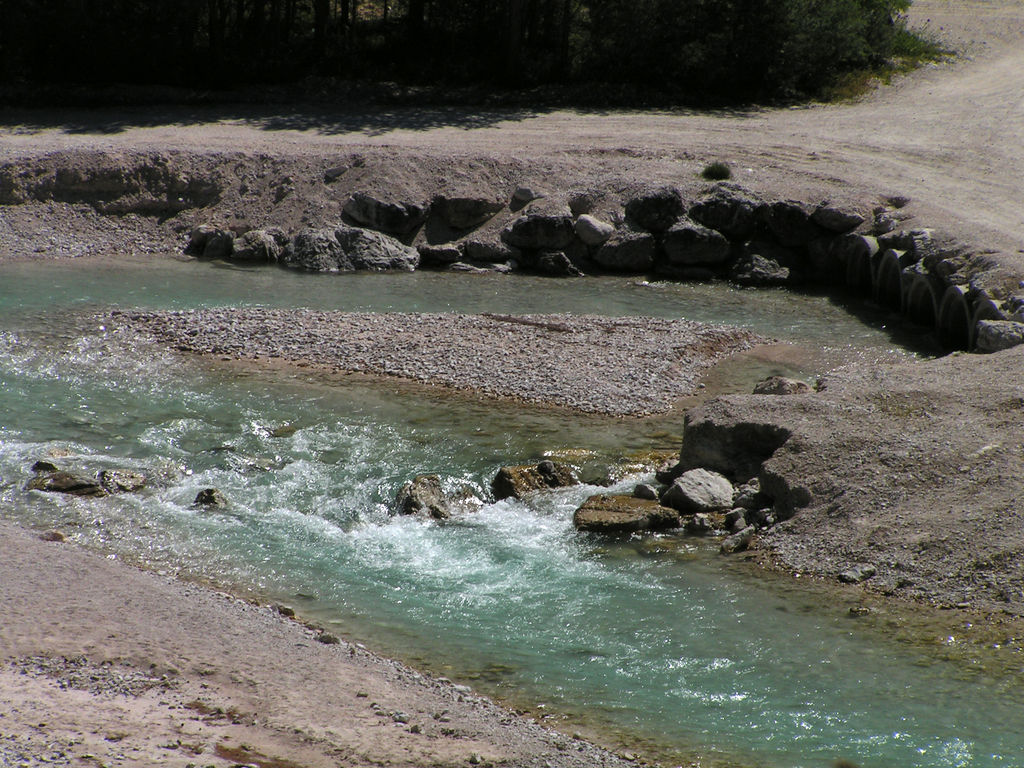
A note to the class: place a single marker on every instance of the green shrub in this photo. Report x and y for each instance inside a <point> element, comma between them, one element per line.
<point>716,171</point>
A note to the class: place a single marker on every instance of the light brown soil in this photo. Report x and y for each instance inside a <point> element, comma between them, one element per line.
<point>950,138</point>
<point>99,659</point>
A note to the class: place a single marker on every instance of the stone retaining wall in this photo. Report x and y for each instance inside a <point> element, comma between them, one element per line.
<point>728,233</point>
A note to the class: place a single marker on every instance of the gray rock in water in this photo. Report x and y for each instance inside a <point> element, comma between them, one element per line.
<point>656,210</point>
<point>439,255</point>
<point>257,247</point>
<point>210,497</point>
<point>425,496</point>
<point>645,491</point>
<point>45,466</point>
<point>857,574</point>
<point>997,335</point>
<point>627,251</point>
<point>210,242</point>
<point>592,231</point>
<point>66,482</point>
<point>699,490</point>
<point>395,217</point>
<point>374,252</point>
<point>464,212</point>
<point>754,269</point>
<point>540,232</point>
<point>690,244</point>
<point>556,264</point>
<point>348,249</point>
<point>738,541</point>
<point>836,219</point>
<point>489,251</point>
<point>121,480</point>
<point>780,385</point>
<point>729,209</point>
<point>623,514</point>
<point>516,481</point>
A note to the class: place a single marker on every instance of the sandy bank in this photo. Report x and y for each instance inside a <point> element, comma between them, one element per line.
<point>99,659</point>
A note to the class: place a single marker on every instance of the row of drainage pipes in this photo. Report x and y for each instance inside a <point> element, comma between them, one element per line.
<point>896,280</point>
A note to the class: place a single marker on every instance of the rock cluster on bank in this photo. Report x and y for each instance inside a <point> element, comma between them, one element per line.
<point>728,233</point>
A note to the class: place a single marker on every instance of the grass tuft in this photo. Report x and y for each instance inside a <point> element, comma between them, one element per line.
<point>717,171</point>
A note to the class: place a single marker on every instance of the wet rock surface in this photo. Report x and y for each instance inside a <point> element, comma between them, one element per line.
<point>517,481</point>
<point>623,514</point>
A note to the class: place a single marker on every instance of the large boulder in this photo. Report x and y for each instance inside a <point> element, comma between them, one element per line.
<point>257,247</point>
<point>489,251</point>
<point>699,491</point>
<point>517,481</point>
<point>374,252</point>
<point>210,242</point>
<point>655,210</point>
<point>835,219</point>
<point>729,209</point>
<point>690,244</point>
<point>790,221</point>
<point>348,249</point>
<point>424,496</point>
<point>627,251</point>
<point>395,217</point>
<point>540,232</point>
<point>623,514</point>
<point>439,255</point>
<point>464,212</point>
<point>592,231</point>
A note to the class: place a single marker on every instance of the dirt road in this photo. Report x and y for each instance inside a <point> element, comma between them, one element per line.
<point>950,137</point>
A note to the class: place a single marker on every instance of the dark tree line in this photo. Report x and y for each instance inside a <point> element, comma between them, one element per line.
<point>698,49</point>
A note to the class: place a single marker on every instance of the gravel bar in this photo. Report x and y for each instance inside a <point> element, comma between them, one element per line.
<point>630,366</point>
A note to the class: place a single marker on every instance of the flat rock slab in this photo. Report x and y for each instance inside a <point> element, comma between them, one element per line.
<point>619,366</point>
<point>623,514</point>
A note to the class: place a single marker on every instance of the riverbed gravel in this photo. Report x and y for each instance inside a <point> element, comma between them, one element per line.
<point>617,366</point>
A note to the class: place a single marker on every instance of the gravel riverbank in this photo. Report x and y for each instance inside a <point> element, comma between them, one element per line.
<point>616,366</point>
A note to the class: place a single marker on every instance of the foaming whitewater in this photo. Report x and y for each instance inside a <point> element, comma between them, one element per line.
<point>645,639</point>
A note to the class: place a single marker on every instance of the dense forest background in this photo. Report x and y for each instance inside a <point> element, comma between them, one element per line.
<point>696,50</point>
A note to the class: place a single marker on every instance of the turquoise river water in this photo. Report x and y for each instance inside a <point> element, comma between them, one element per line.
<point>657,644</point>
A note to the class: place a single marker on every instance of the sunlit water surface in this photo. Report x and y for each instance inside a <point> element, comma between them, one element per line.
<point>657,643</point>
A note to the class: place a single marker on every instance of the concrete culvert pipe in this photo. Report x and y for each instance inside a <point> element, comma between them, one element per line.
<point>955,324</point>
<point>922,307</point>
<point>888,289</point>
<point>858,271</point>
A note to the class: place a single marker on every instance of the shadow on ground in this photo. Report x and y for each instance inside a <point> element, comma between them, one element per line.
<point>373,121</point>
